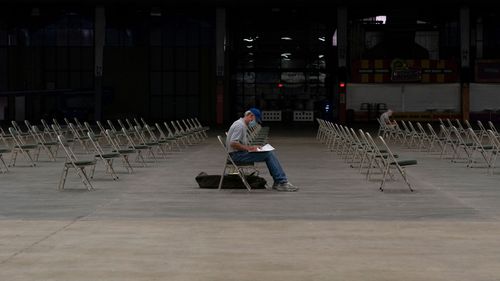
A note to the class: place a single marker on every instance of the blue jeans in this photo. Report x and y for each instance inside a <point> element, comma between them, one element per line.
<point>272,162</point>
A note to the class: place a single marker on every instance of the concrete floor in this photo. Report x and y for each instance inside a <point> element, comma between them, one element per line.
<point>156,224</point>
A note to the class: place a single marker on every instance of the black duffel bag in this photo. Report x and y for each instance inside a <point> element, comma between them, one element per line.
<point>230,181</point>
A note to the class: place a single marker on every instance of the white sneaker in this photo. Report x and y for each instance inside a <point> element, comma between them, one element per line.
<point>286,186</point>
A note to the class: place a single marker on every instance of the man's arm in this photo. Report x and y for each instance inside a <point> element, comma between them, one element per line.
<point>242,147</point>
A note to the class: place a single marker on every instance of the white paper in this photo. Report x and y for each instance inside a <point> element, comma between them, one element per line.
<point>266,147</point>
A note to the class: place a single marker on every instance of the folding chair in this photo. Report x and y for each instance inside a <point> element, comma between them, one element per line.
<point>125,152</point>
<point>460,127</point>
<point>424,137</point>
<point>177,135</point>
<point>47,145</point>
<point>482,149</point>
<point>4,149</point>
<point>198,125</point>
<point>399,164</point>
<point>47,130</point>
<point>493,128</point>
<point>200,128</point>
<point>229,163</point>
<point>106,157</point>
<point>495,143</point>
<point>434,138</point>
<point>82,139</point>
<point>21,147</point>
<point>461,144</point>
<point>20,132</point>
<point>80,127</point>
<point>139,147</point>
<point>376,156</point>
<point>169,138</point>
<point>151,143</point>
<point>79,166</point>
<point>482,130</point>
<point>163,142</point>
<point>181,132</point>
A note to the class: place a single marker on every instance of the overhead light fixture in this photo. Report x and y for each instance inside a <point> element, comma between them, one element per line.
<point>248,39</point>
<point>321,56</point>
<point>250,54</point>
<point>155,12</point>
<point>322,39</point>
<point>285,55</point>
<point>249,46</point>
<point>35,12</point>
<point>286,38</point>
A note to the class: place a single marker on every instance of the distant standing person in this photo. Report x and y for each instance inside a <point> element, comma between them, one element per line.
<point>385,118</point>
<point>240,151</point>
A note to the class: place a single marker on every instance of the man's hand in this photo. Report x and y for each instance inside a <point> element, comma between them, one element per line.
<point>253,148</point>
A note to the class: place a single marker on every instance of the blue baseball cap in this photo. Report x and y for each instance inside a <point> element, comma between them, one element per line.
<point>256,113</point>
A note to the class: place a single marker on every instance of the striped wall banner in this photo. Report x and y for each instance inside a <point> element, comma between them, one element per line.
<point>401,71</point>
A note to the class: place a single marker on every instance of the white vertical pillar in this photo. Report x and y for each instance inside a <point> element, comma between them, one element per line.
<point>99,40</point>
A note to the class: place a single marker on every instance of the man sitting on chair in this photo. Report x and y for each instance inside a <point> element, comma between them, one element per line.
<point>385,118</point>
<point>241,152</point>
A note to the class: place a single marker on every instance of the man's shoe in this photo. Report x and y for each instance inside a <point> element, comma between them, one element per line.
<point>286,186</point>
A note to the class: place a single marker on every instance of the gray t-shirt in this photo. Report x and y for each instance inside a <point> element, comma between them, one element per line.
<point>385,118</point>
<point>237,133</point>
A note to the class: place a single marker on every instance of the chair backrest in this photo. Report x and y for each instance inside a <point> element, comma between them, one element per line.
<point>95,143</point>
<point>130,125</point>
<point>3,137</point>
<point>406,129</point>
<point>111,126</point>
<point>160,130</point>
<point>67,149</point>
<point>74,131</point>
<point>222,143</point>
<point>412,129</point>
<point>138,124</point>
<point>122,125</point>
<point>390,156</point>
<point>110,137</point>
<point>139,134</point>
<point>449,122</point>
<point>16,136</point>
<point>492,127</point>
<point>467,124</point>
<point>46,128</point>
<point>177,130</point>
<point>37,135</point>
<point>494,141</point>
<point>475,139</point>
<point>421,129</point>
<point>441,121</point>
<point>150,132</point>
<point>481,127</point>
<point>101,127</point>
<point>459,125</point>
<point>128,137</point>
<point>374,147</point>
<point>170,133</point>
<point>87,126</point>
<point>458,136</point>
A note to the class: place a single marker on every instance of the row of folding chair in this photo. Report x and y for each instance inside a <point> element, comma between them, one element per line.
<point>106,145</point>
<point>361,151</point>
<point>460,143</point>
